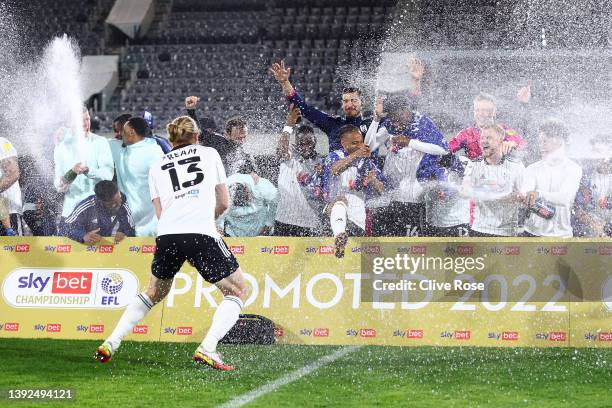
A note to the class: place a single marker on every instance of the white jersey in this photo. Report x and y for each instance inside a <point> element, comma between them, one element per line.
<point>490,187</point>
<point>184,180</point>
<point>449,208</point>
<point>401,167</point>
<point>557,182</point>
<point>13,193</point>
<point>293,207</point>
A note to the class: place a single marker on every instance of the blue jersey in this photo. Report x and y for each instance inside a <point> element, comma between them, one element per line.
<point>423,129</point>
<point>329,124</point>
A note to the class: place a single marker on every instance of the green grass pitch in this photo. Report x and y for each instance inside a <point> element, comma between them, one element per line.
<point>162,375</point>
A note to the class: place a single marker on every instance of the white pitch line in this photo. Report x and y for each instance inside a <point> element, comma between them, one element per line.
<point>243,399</point>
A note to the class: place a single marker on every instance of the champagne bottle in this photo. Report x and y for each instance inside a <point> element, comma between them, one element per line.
<point>543,209</point>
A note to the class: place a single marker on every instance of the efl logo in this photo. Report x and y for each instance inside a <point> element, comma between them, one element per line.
<point>367,332</point>
<point>281,249</point>
<point>22,248</point>
<point>140,329</point>
<point>512,250</point>
<point>321,332</point>
<point>96,328</point>
<point>72,282</point>
<point>148,249</point>
<point>11,326</point>
<point>463,334</point>
<point>279,332</point>
<point>557,336</point>
<point>603,250</point>
<point>465,250</point>
<point>237,249</point>
<point>184,331</point>
<point>54,327</point>
<point>106,249</point>
<point>64,249</point>
<point>605,336</point>
<point>558,250</point>
<point>418,250</point>
<point>326,250</point>
<point>414,333</point>
<point>510,336</point>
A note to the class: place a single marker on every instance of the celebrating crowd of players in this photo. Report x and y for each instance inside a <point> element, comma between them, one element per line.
<point>390,175</point>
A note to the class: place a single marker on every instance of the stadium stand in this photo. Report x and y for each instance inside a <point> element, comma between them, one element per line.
<point>80,19</point>
<point>241,39</point>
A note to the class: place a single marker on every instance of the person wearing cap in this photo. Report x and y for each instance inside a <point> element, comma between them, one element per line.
<point>161,141</point>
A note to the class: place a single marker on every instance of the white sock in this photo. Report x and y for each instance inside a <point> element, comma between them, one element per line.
<point>134,313</point>
<point>337,218</point>
<point>224,319</point>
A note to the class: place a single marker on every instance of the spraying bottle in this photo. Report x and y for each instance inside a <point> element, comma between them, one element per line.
<point>543,209</point>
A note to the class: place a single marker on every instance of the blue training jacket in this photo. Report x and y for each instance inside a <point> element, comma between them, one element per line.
<point>423,129</point>
<point>89,215</point>
<point>329,124</point>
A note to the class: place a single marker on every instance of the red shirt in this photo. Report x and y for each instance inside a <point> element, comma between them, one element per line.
<point>469,139</point>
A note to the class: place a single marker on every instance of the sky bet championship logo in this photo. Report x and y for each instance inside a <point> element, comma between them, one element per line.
<point>69,288</point>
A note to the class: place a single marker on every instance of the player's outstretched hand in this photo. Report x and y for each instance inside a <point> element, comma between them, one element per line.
<point>416,68</point>
<point>191,102</point>
<point>524,94</point>
<point>280,72</point>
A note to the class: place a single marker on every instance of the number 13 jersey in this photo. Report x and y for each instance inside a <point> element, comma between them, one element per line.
<point>184,180</point>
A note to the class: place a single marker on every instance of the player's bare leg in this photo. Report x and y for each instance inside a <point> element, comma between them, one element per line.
<point>235,293</point>
<point>136,311</point>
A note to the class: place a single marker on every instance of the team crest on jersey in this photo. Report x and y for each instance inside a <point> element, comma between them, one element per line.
<point>363,129</point>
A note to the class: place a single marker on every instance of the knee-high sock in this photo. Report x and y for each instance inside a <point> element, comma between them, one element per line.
<point>224,319</point>
<point>337,218</point>
<point>134,313</point>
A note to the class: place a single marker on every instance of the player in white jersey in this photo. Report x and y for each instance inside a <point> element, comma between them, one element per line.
<point>188,192</point>
<point>493,182</point>
<point>10,192</point>
<point>594,199</point>
<point>415,146</point>
<point>447,213</point>
<point>551,182</point>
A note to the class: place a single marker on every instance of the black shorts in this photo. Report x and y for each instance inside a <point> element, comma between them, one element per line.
<point>461,230</point>
<point>483,234</point>
<point>398,220</point>
<point>210,256</point>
